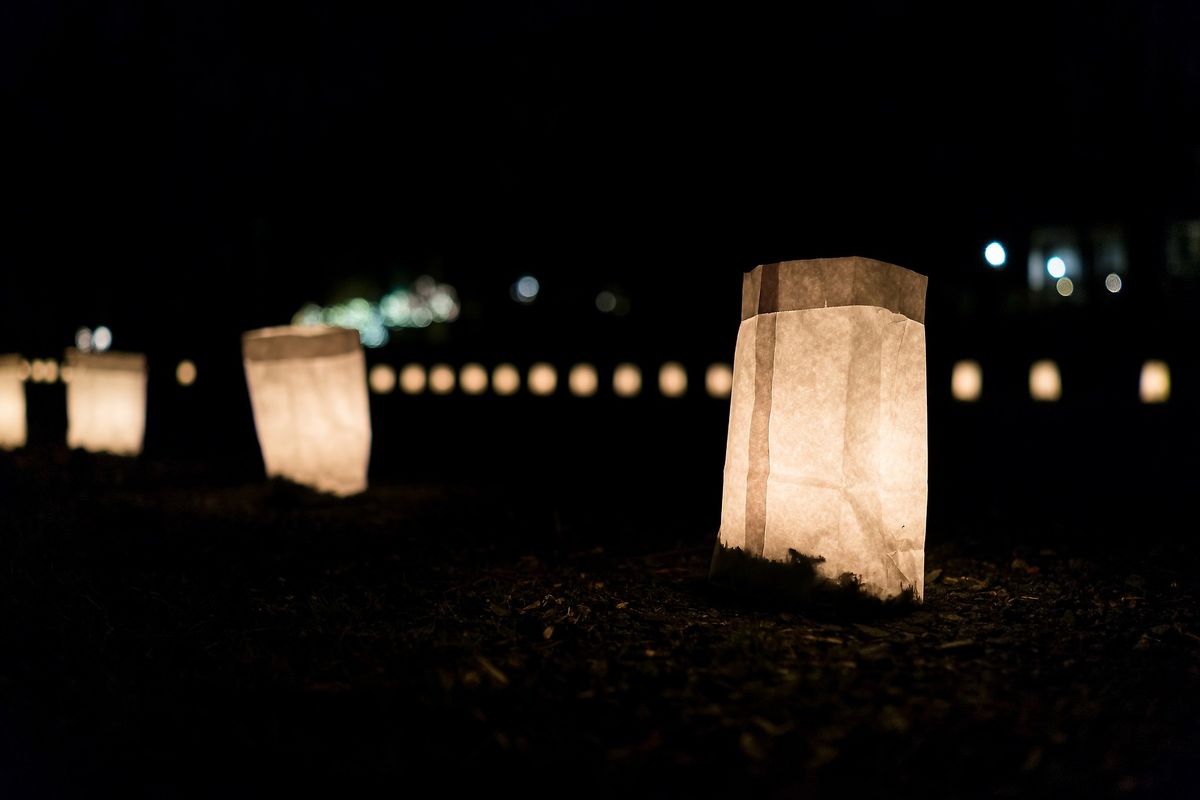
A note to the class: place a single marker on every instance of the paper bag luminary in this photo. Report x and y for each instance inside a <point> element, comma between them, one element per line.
<point>12,402</point>
<point>308,390</point>
<point>106,402</point>
<point>827,457</point>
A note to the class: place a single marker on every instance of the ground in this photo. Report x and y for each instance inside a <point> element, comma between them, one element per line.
<point>172,636</point>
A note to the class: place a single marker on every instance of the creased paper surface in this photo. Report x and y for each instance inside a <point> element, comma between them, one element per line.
<point>827,452</point>
<point>308,389</point>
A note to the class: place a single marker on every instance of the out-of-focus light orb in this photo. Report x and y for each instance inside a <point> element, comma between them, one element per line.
<point>1056,267</point>
<point>185,373</point>
<point>421,317</point>
<point>37,370</point>
<point>83,340</point>
<point>994,254</point>
<point>627,380</point>
<point>441,379</point>
<point>1155,383</point>
<point>50,370</point>
<point>672,379</point>
<point>24,370</point>
<point>101,339</point>
<point>582,380</point>
<point>382,379</point>
<point>1112,282</point>
<point>718,380</point>
<point>412,379</point>
<point>506,380</point>
<point>543,379</point>
<point>966,381</point>
<point>606,302</point>
<point>1065,287</point>
<point>526,289</point>
<point>473,379</point>
<point>1045,383</point>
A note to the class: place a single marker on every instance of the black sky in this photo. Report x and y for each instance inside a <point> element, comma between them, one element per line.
<point>233,160</point>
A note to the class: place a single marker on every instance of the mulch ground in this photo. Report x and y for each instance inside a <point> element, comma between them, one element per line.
<point>169,638</point>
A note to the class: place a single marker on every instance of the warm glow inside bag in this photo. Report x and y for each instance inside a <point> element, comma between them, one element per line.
<point>106,402</point>
<point>827,455</point>
<point>12,402</point>
<point>308,388</point>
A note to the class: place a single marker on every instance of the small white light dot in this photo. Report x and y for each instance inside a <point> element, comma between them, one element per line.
<point>1065,287</point>
<point>1056,267</point>
<point>606,301</point>
<point>995,255</point>
<point>1113,282</point>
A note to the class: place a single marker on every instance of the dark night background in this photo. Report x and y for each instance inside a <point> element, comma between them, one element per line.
<point>185,172</point>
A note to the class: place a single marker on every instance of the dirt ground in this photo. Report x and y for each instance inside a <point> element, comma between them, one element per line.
<point>167,636</point>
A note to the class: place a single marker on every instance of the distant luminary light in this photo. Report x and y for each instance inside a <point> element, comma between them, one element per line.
<point>473,379</point>
<point>412,379</point>
<point>672,379</point>
<point>506,380</point>
<point>966,381</point>
<point>12,403</point>
<point>24,370</point>
<point>308,391</point>
<point>582,380</point>
<point>49,371</point>
<point>1112,282</point>
<point>1155,383</point>
<point>1056,267</point>
<point>185,373</point>
<point>83,340</point>
<point>37,371</point>
<point>1065,287</point>
<point>543,379</point>
<point>1045,382</point>
<point>106,402</point>
<point>627,380</point>
<point>382,378</point>
<point>994,255</point>
<point>441,379</point>
<point>718,380</point>
<point>826,461</point>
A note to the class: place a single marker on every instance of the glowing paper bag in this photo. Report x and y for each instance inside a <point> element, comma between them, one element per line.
<point>827,455</point>
<point>106,402</point>
<point>12,402</point>
<point>308,389</point>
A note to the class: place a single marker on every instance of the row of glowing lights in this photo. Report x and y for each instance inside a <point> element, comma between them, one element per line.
<point>1046,385</point>
<point>996,256</point>
<point>542,379</point>
<point>966,379</point>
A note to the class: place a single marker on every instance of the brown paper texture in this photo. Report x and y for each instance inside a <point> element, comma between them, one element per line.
<point>827,453</point>
<point>308,390</point>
